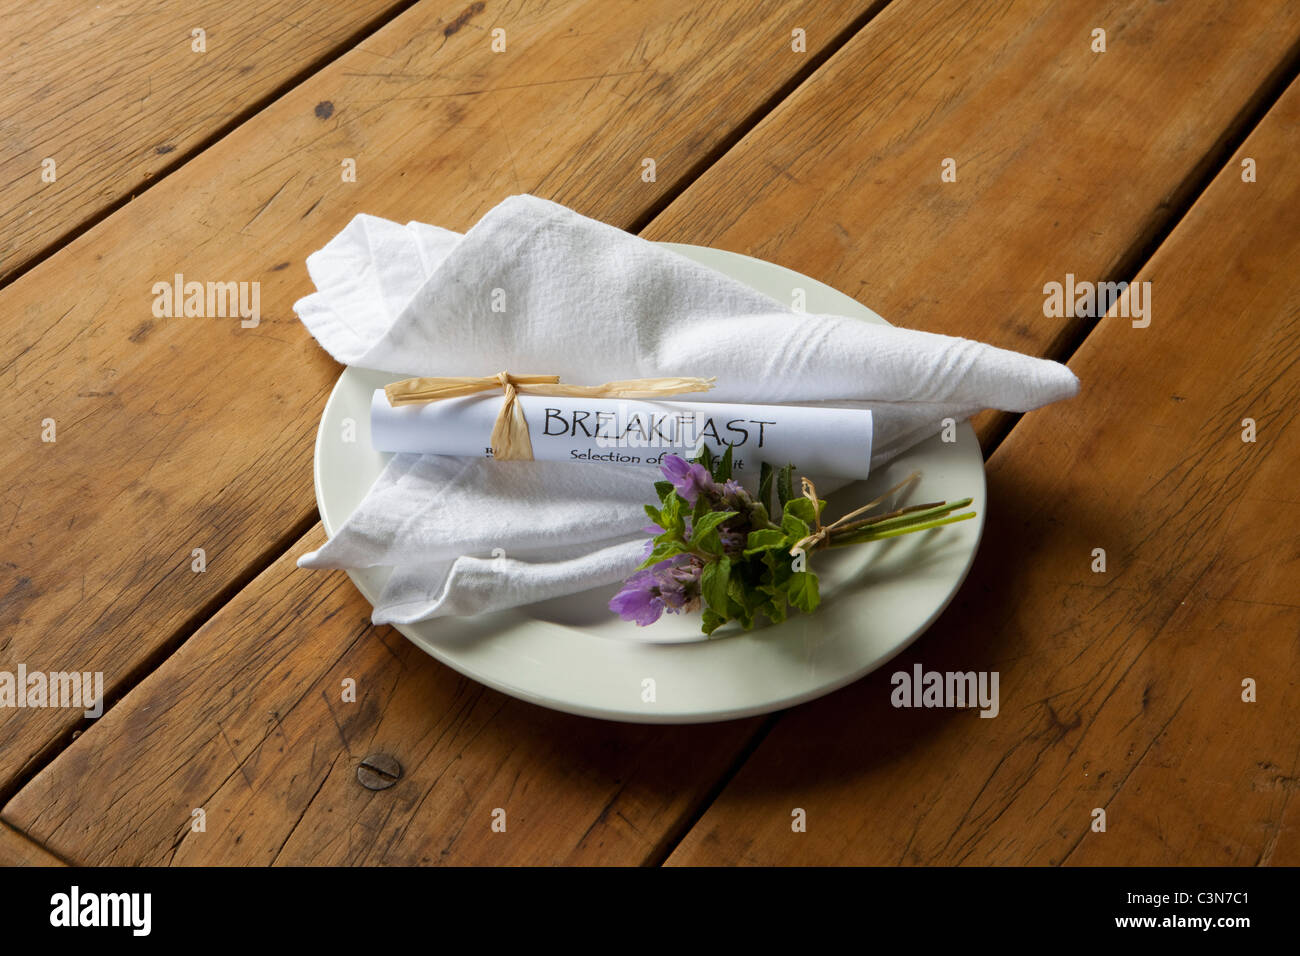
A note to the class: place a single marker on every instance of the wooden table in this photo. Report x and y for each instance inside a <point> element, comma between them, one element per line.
<point>815,134</point>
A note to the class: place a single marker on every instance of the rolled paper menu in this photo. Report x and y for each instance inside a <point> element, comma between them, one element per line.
<point>820,440</point>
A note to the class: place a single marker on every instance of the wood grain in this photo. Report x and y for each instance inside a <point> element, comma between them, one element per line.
<point>248,723</point>
<point>163,735</point>
<point>116,95</point>
<point>1067,161</point>
<point>1120,691</point>
<point>176,434</point>
<point>17,850</point>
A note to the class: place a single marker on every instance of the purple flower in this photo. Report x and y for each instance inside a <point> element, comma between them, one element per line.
<point>672,585</point>
<point>734,496</point>
<point>639,599</point>
<point>679,582</point>
<point>687,477</point>
<point>652,530</point>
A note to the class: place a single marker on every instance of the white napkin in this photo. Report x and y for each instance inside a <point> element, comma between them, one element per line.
<point>534,287</point>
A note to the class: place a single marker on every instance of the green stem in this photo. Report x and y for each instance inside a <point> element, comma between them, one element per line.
<point>909,518</point>
<point>876,519</point>
<point>876,534</point>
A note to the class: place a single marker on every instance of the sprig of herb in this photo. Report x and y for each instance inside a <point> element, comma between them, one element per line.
<point>717,549</point>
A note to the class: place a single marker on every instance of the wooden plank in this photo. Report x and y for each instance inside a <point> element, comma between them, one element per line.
<point>17,850</point>
<point>248,723</point>
<point>1120,691</point>
<point>177,434</point>
<point>116,95</point>
<point>51,806</point>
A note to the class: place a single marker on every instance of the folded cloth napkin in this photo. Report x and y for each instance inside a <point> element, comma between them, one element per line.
<point>534,288</point>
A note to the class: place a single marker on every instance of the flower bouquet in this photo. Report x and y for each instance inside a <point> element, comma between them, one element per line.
<point>717,549</point>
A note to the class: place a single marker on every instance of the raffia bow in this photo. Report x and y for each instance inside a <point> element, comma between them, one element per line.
<point>822,534</point>
<point>510,439</point>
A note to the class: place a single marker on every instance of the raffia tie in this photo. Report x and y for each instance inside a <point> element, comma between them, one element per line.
<point>510,439</point>
<point>822,533</point>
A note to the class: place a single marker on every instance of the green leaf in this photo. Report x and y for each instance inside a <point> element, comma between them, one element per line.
<point>802,508</point>
<point>671,519</point>
<point>713,584</point>
<point>699,511</point>
<point>779,570</point>
<point>708,521</point>
<point>706,458</point>
<point>775,610</point>
<point>785,485</point>
<point>771,607</point>
<point>765,486</point>
<point>795,527</point>
<point>766,539</point>
<point>736,588</point>
<point>746,620</point>
<point>723,471</point>
<point>661,552</point>
<point>704,535</point>
<point>663,489</point>
<point>710,543</point>
<point>710,621</point>
<point>654,514</point>
<point>743,594</point>
<point>803,592</point>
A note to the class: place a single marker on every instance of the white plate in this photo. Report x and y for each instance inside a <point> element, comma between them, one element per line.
<point>573,654</point>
